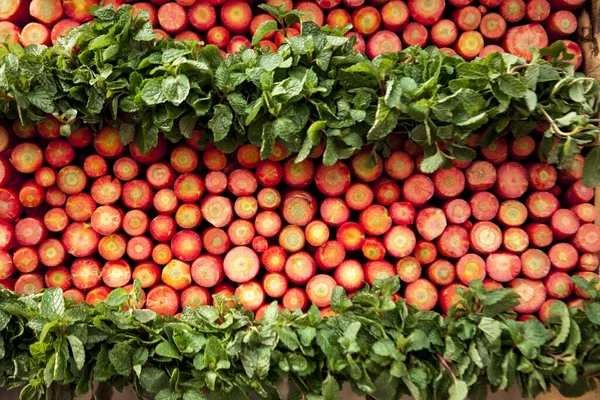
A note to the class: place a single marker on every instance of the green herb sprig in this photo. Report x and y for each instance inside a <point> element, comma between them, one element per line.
<point>51,347</point>
<point>314,89</point>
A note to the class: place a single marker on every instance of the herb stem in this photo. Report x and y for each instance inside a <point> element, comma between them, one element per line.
<point>555,127</point>
<point>517,67</point>
<point>446,366</point>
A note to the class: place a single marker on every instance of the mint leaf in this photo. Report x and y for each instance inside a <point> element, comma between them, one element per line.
<point>117,297</point>
<point>434,162</point>
<point>330,388</point>
<point>459,390</point>
<point>221,122</point>
<point>263,30</point>
<point>176,88</point>
<point>386,119</point>
<point>121,357</point>
<point>52,305</point>
<point>77,350</point>
<point>152,93</point>
<point>560,309</point>
<point>167,349</point>
<point>153,379</point>
<point>511,86</point>
<point>591,168</point>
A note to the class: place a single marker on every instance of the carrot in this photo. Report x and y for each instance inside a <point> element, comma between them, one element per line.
<point>241,264</point>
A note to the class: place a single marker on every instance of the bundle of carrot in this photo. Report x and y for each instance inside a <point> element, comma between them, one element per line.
<point>88,214</point>
<point>466,27</point>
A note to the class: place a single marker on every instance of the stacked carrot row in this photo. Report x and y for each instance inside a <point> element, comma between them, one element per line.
<point>467,27</point>
<point>88,214</point>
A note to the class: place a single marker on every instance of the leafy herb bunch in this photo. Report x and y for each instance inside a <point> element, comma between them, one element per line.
<point>51,347</point>
<point>314,89</point>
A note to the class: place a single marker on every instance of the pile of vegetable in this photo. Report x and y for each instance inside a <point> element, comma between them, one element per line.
<point>55,349</point>
<point>469,28</point>
<point>171,195</point>
<point>89,214</point>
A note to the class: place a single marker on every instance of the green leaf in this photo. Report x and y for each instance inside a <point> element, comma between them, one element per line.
<point>560,309</point>
<point>393,93</point>
<point>176,88</point>
<point>386,119</point>
<point>592,311</point>
<point>193,394</point>
<point>153,379</point>
<point>146,33</point>
<point>385,348</point>
<point>314,131</point>
<point>117,297</point>
<point>330,388</point>
<point>144,316</point>
<point>52,305</point>
<point>152,93</point>
<point>263,30</point>
<point>77,350</point>
<point>459,390</point>
<point>126,133</point>
<point>339,301</point>
<point>57,364</point>
<point>433,162</point>
<point>215,356</point>
<point>591,168</point>
<point>511,86</point>
<point>491,328</point>
<point>121,358</point>
<point>167,349</point>
<point>220,123</point>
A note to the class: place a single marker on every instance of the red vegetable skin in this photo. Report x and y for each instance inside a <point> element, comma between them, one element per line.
<point>454,242</point>
<point>469,44</point>
<point>383,42</point>
<point>449,296</point>
<point>422,294</point>
<point>350,275</point>
<point>319,290</point>
<point>163,299</point>
<point>457,211</point>
<point>409,269</point>
<point>378,270</point>
<point>485,237</point>
<point>418,189</point>
<point>587,238</point>
<point>399,241</point>
<point>537,10</point>
<point>535,264</point>
<point>558,284</point>
<point>300,267</point>
<point>441,272</point>
<point>563,256</point>
<point>515,240</point>
<point>470,267</point>
<point>513,10</point>
<point>484,206</point>
<point>426,12</point>
<point>366,20</point>
<point>415,34</point>
<point>395,15</point>
<point>561,24</point>
<point>532,292</point>
<point>62,28</point>
<point>519,39</point>
<point>467,18</point>
<point>338,18</point>
<point>564,223</point>
<point>35,33</point>
<point>312,12</point>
